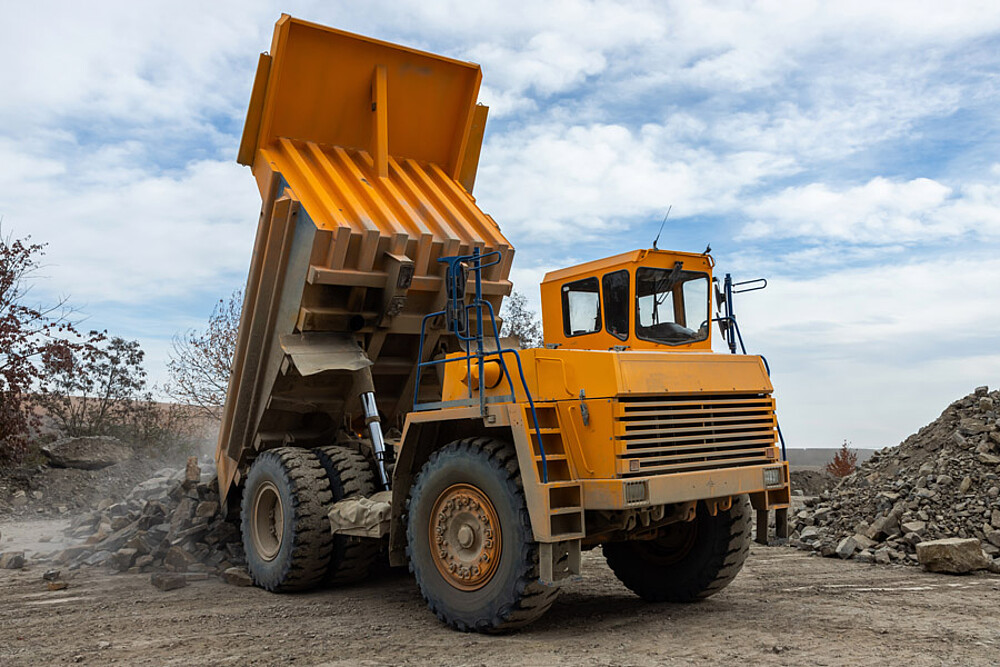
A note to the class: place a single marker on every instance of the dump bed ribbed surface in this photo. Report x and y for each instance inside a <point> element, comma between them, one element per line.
<point>350,234</point>
<point>340,189</point>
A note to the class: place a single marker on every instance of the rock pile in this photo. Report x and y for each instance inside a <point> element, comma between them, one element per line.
<point>941,482</point>
<point>45,490</point>
<point>811,482</point>
<point>169,523</point>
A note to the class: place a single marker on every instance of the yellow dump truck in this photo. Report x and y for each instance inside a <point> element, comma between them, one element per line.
<point>373,408</point>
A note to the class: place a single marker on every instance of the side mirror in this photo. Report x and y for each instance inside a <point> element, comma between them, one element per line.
<point>456,316</point>
<point>458,278</point>
<point>720,296</point>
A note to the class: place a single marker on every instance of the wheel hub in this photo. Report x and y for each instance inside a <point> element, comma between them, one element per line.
<point>268,525</point>
<point>465,537</point>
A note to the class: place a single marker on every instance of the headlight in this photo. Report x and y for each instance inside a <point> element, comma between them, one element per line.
<point>773,478</point>
<point>636,492</point>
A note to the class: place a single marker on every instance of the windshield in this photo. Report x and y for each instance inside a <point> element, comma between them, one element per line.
<point>671,305</point>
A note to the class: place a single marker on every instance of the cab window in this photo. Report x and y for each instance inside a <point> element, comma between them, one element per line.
<point>616,299</point>
<point>671,305</point>
<point>581,303</point>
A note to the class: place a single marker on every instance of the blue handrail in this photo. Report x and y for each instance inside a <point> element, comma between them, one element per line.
<point>455,283</point>
<point>732,335</point>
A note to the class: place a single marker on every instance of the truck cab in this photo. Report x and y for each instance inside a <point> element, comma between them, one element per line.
<point>639,300</point>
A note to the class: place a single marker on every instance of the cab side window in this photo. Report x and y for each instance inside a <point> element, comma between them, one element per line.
<point>616,303</point>
<point>581,303</point>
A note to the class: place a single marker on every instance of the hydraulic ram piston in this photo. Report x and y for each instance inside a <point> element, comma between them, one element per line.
<point>375,430</point>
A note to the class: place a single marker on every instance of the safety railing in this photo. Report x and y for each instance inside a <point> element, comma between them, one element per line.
<point>732,334</point>
<point>458,321</point>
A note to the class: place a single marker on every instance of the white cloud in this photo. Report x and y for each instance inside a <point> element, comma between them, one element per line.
<point>565,184</point>
<point>127,62</point>
<point>881,211</point>
<point>834,123</point>
<point>854,309</point>
<point>548,63</point>
<point>873,353</point>
<point>138,238</point>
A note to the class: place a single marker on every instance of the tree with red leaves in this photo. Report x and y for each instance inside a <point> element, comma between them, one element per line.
<point>844,462</point>
<point>33,338</point>
<point>100,391</point>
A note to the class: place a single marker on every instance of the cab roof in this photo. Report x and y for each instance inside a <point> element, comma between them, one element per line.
<point>631,257</point>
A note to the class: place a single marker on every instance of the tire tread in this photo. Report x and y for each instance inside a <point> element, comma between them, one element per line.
<point>310,530</point>
<point>723,564</point>
<point>528,599</point>
<point>349,474</point>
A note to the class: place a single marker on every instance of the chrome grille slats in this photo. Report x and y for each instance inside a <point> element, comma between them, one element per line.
<point>666,434</point>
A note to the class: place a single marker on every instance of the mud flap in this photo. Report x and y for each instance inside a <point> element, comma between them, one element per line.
<point>559,562</point>
<point>314,353</point>
<point>780,525</point>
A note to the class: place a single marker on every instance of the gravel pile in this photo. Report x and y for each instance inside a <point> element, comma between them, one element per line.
<point>47,491</point>
<point>811,482</point>
<point>941,482</point>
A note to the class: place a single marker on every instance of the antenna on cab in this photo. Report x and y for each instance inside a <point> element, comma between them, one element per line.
<point>661,227</point>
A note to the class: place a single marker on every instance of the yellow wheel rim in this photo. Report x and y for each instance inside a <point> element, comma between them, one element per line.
<point>464,533</point>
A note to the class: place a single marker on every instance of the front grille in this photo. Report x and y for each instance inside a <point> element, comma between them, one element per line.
<point>658,435</point>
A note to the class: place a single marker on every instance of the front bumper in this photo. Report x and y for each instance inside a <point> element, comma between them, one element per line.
<point>617,494</point>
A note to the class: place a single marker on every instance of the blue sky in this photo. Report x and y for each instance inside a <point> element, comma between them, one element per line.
<point>846,151</point>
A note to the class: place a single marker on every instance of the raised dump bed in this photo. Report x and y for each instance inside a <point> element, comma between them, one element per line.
<point>365,154</point>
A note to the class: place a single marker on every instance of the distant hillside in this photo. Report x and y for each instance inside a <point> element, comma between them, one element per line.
<point>805,459</point>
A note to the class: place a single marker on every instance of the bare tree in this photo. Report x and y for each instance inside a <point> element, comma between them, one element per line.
<point>201,361</point>
<point>520,321</point>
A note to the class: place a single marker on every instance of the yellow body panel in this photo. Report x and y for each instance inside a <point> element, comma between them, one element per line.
<point>629,396</point>
<point>684,487</point>
<point>335,88</point>
<point>561,374</point>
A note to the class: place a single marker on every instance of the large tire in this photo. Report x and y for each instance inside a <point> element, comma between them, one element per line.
<point>349,474</point>
<point>286,533</point>
<point>479,478</point>
<point>688,561</point>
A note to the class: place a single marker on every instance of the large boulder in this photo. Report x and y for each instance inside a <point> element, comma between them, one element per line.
<point>12,560</point>
<point>87,453</point>
<point>953,555</point>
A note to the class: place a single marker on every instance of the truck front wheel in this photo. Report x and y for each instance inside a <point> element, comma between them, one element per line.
<point>286,533</point>
<point>688,561</point>
<point>469,539</point>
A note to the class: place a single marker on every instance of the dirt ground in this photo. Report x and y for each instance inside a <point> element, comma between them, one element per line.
<point>786,608</point>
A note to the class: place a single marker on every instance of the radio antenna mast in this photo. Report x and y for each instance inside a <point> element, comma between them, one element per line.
<point>661,227</point>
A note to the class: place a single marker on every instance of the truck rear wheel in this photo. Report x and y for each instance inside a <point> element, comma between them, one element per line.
<point>349,474</point>
<point>688,561</point>
<point>469,539</point>
<point>286,533</point>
